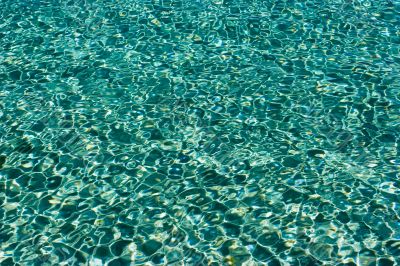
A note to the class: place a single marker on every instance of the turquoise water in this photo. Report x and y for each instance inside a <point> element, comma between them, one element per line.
<point>219,132</point>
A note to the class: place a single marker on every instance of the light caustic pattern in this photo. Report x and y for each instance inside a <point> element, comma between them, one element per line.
<point>221,132</point>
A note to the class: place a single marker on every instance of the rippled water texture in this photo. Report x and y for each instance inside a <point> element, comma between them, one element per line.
<point>221,132</point>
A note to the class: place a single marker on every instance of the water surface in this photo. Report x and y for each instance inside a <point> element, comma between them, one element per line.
<point>179,132</point>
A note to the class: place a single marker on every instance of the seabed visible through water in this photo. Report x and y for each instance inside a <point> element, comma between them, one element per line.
<point>212,132</point>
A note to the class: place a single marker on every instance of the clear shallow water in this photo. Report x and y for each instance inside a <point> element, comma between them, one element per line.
<point>199,132</point>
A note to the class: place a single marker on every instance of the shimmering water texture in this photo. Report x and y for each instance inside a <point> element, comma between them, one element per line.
<point>220,132</point>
